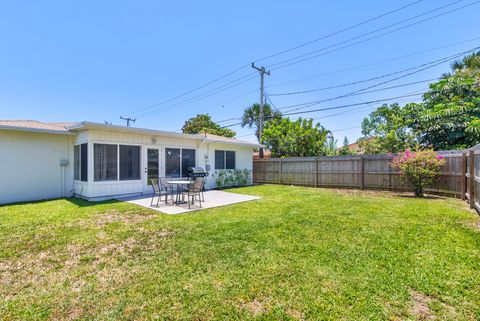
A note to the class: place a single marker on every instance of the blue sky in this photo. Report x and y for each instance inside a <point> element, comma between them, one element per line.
<point>97,60</point>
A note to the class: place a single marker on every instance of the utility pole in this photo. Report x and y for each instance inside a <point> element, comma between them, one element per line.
<point>262,72</point>
<point>128,119</point>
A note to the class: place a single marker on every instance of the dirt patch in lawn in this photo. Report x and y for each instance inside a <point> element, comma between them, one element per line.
<point>114,216</point>
<point>420,307</point>
<point>360,192</point>
<point>76,265</point>
<point>255,307</point>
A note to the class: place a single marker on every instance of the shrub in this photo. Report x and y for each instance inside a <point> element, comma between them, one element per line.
<point>418,168</point>
<point>232,177</point>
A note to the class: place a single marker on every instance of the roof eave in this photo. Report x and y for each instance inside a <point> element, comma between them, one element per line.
<point>92,125</point>
<point>36,130</point>
<point>253,145</point>
<point>85,125</point>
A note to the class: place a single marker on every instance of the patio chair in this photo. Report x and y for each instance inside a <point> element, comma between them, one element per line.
<point>194,189</point>
<point>156,191</point>
<point>166,188</point>
<point>204,182</point>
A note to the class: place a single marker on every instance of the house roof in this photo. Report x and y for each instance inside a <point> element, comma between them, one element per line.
<point>33,125</point>
<point>72,127</point>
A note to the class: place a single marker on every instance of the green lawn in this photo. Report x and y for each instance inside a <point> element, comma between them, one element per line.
<point>298,253</point>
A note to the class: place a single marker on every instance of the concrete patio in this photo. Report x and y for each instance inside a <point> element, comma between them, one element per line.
<point>213,198</point>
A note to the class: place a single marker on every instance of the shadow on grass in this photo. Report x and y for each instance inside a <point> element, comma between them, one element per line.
<point>75,201</point>
<point>425,197</point>
<point>84,203</point>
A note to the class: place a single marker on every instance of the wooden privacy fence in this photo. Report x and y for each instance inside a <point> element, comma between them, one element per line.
<point>459,178</point>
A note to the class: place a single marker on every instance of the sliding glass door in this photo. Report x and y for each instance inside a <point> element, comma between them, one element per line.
<point>177,160</point>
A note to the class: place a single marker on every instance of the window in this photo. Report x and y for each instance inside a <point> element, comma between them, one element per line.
<point>178,160</point>
<point>188,160</point>
<point>229,159</point>
<point>80,162</point>
<point>105,162</point>
<point>224,159</point>
<point>76,162</point>
<point>129,162</point>
<point>84,162</point>
<point>172,162</point>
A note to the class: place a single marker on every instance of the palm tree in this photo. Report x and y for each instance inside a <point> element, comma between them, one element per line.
<point>251,116</point>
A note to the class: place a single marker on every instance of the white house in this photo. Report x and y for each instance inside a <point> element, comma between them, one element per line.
<point>100,161</point>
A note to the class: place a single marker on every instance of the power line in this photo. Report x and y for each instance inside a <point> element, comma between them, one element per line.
<point>369,91</point>
<point>373,63</point>
<point>291,61</point>
<point>190,91</point>
<point>350,105</point>
<point>221,88</point>
<point>209,93</point>
<point>355,110</point>
<point>428,66</point>
<point>338,107</point>
<point>274,55</point>
<point>344,129</point>
<point>339,31</point>
<point>345,84</point>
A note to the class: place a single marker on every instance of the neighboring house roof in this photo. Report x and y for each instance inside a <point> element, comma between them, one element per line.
<point>33,125</point>
<point>71,127</point>
<point>356,146</point>
<point>266,154</point>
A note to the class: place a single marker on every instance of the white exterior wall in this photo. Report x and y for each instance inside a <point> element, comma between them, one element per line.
<point>30,166</point>
<point>205,154</point>
<point>30,163</point>
<point>243,158</point>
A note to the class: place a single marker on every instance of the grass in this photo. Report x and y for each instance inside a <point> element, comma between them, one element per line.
<point>298,253</point>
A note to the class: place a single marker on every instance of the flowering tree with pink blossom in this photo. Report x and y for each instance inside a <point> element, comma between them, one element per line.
<point>419,168</point>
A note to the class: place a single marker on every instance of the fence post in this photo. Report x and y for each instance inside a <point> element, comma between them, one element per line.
<point>279,171</point>
<point>463,170</point>
<point>362,172</point>
<point>471,180</point>
<point>316,172</point>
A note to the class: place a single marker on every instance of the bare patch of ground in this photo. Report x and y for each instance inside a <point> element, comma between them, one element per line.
<point>296,314</point>
<point>362,192</point>
<point>114,216</point>
<point>420,308</point>
<point>74,264</point>
<point>255,307</point>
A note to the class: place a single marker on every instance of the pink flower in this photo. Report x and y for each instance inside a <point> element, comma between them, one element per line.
<point>440,157</point>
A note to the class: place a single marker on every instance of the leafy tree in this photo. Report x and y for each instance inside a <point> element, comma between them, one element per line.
<point>345,150</point>
<point>331,146</point>
<point>447,118</point>
<point>251,116</point>
<point>299,138</point>
<point>387,129</point>
<point>203,123</point>
<point>471,61</point>
<point>450,111</point>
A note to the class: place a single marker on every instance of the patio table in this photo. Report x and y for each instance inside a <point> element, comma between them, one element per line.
<point>180,184</point>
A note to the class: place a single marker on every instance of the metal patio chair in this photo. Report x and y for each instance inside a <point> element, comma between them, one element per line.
<point>166,188</point>
<point>156,191</point>
<point>194,189</point>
